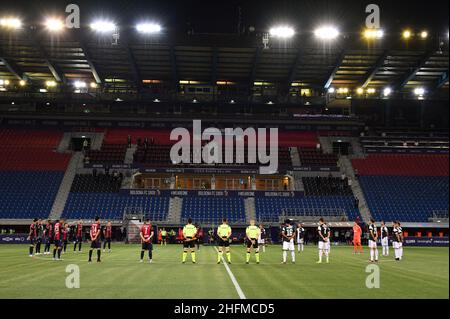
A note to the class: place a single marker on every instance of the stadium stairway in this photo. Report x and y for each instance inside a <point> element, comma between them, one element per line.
<point>325,144</point>
<point>347,168</point>
<point>66,184</point>
<point>129,154</point>
<point>295,156</point>
<point>250,209</point>
<point>175,207</point>
<point>358,151</point>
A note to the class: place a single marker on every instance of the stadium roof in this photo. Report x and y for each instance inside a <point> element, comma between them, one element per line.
<point>211,58</point>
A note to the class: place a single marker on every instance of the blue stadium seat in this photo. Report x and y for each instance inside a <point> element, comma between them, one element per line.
<point>114,205</point>
<point>269,209</point>
<point>27,195</point>
<point>405,198</point>
<point>211,209</point>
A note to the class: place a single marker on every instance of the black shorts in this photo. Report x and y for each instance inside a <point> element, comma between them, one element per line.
<point>38,240</point>
<point>224,243</point>
<point>147,246</point>
<point>96,244</point>
<point>79,239</point>
<point>33,241</point>
<point>57,242</point>
<point>189,244</point>
<point>108,240</point>
<point>164,237</point>
<point>250,244</point>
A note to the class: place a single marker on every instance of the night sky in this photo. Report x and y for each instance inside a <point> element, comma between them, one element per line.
<point>214,16</point>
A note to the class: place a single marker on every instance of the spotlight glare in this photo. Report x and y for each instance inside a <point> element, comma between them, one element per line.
<point>331,90</point>
<point>360,91</point>
<point>424,34</point>
<point>103,26</point>
<point>148,28</point>
<point>373,34</point>
<point>79,84</point>
<point>284,32</point>
<point>22,83</point>
<point>11,23</point>
<point>326,33</point>
<point>387,91</point>
<point>50,83</point>
<point>407,34</point>
<point>94,85</point>
<point>371,91</point>
<point>54,24</point>
<point>419,91</point>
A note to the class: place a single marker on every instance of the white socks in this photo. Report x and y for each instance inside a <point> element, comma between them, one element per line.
<point>293,256</point>
<point>284,256</point>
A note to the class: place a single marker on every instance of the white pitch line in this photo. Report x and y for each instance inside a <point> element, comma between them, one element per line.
<point>233,279</point>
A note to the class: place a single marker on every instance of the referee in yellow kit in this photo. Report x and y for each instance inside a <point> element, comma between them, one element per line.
<point>252,233</point>
<point>189,233</point>
<point>224,234</point>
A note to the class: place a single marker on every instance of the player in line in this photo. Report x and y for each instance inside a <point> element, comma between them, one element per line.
<point>373,238</point>
<point>65,234</point>
<point>224,233</point>
<point>79,236</point>
<point>107,233</point>
<point>262,238</point>
<point>40,235</point>
<point>252,234</point>
<point>300,237</point>
<point>384,238</point>
<point>95,238</point>
<point>288,233</point>
<point>57,240</point>
<point>146,235</point>
<point>398,240</point>
<point>48,237</point>
<point>189,233</point>
<point>324,241</point>
<point>32,235</point>
<point>357,232</point>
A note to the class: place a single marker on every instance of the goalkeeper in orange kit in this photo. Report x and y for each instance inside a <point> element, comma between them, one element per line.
<point>357,232</point>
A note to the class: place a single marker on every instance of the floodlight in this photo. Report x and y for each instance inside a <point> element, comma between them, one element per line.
<point>282,32</point>
<point>50,83</point>
<point>387,91</point>
<point>373,34</point>
<point>360,91</point>
<point>371,91</point>
<point>103,26</point>
<point>326,33</point>
<point>424,34</point>
<point>11,23</point>
<point>331,90</point>
<point>22,83</point>
<point>79,84</point>
<point>94,85</point>
<point>54,24</point>
<point>419,91</point>
<point>148,28</point>
<point>407,34</point>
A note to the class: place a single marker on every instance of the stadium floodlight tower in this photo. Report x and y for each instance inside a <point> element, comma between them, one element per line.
<point>10,23</point>
<point>282,32</point>
<point>54,24</point>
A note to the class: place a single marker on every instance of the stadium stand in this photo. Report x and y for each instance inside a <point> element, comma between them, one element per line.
<point>212,210</point>
<point>27,195</point>
<point>411,188</point>
<point>108,154</point>
<point>313,157</point>
<point>270,209</point>
<point>30,172</point>
<point>92,196</point>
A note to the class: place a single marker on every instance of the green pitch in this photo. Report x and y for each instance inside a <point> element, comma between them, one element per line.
<point>424,273</point>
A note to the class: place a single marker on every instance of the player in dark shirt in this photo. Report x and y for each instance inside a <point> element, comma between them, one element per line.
<point>146,235</point>
<point>95,238</point>
<point>78,236</point>
<point>57,239</point>
<point>32,235</point>
<point>40,235</point>
<point>65,236</point>
<point>48,237</point>
<point>107,233</point>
